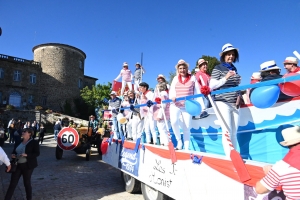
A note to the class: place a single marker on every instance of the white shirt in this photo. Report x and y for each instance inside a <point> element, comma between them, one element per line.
<point>3,158</point>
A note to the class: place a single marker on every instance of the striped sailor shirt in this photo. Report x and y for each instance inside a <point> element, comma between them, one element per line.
<point>282,174</point>
<point>219,82</point>
<point>114,104</point>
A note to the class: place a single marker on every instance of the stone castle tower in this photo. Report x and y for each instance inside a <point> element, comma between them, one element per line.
<point>55,75</point>
<point>62,73</point>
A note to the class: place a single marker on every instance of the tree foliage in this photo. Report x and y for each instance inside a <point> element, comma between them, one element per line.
<point>96,96</point>
<point>212,62</point>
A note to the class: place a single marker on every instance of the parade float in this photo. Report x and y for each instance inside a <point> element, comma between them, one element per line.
<point>206,170</point>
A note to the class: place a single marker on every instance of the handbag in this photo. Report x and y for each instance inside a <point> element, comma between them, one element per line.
<point>13,164</point>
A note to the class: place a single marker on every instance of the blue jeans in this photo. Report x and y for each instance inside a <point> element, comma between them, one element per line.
<point>117,128</point>
<point>55,134</point>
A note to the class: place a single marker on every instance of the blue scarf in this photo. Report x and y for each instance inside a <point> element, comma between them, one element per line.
<point>229,66</point>
<point>131,101</point>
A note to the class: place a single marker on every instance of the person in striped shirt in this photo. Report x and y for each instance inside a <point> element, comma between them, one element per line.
<point>224,76</point>
<point>286,172</point>
<point>127,76</point>
<point>183,84</point>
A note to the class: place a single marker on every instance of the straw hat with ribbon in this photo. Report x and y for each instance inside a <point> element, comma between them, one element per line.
<point>291,136</point>
<point>227,47</point>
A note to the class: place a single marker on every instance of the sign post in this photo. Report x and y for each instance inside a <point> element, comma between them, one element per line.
<point>67,139</point>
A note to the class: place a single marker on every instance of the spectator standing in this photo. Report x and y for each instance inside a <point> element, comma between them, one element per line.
<point>56,128</point>
<point>26,152</point>
<point>11,130</point>
<point>42,133</point>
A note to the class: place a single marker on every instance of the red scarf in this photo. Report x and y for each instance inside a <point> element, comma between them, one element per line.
<point>292,158</point>
<point>187,78</point>
<point>296,70</point>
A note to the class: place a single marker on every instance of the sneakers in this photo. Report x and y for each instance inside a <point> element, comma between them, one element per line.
<point>202,115</point>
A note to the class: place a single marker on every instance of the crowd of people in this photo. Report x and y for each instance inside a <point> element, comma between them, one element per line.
<point>129,121</point>
<point>224,75</point>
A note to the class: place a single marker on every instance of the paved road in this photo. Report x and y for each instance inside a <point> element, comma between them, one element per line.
<point>69,178</point>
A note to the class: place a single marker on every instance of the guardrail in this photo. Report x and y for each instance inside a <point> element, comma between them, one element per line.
<point>19,60</point>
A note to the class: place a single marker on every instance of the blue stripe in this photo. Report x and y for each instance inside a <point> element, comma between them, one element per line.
<point>226,48</point>
<point>232,89</point>
<point>268,67</point>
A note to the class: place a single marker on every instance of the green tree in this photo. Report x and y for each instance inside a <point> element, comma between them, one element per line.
<point>96,96</point>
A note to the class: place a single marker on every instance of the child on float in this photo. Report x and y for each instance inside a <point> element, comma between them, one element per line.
<point>147,113</point>
<point>183,84</point>
<point>162,94</point>
<point>134,125</point>
<point>126,75</point>
<point>138,75</point>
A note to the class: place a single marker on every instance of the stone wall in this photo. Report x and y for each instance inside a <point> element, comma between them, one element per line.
<point>23,87</point>
<point>39,116</point>
<point>63,69</point>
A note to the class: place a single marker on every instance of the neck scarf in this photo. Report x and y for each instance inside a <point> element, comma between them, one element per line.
<point>292,158</point>
<point>229,66</point>
<point>187,78</point>
<point>131,101</point>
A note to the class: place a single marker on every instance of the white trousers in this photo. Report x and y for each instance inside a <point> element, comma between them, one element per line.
<point>134,127</point>
<point>181,119</point>
<point>124,85</point>
<point>163,132</point>
<point>150,125</point>
<point>136,85</point>
<point>231,118</point>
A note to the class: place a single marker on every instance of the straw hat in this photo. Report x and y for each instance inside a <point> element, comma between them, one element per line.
<point>125,64</point>
<point>181,62</point>
<point>256,76</point>
<point>161,76</point>
<point>201,61</point>
<point>113,93</point>
<point>227,47</point>
<point>269,65</point>
<point>291,60</point>
<point>291,136</point>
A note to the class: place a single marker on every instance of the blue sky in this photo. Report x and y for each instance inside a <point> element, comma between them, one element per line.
<point>113,31</point>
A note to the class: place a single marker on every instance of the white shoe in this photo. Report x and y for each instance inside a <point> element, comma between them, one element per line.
<point>179,145</point>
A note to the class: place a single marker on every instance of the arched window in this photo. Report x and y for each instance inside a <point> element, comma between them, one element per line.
<point>15,99</point>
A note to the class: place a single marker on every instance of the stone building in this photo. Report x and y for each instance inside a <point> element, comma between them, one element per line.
<point>56,74</point>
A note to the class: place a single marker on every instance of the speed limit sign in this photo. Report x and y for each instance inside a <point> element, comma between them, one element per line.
<point>67,138</point>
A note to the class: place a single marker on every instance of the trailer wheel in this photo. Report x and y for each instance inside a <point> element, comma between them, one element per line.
<point>58,152</point>
<point>87,154</point>
<point>131,184</point>
<point>150,193</point>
